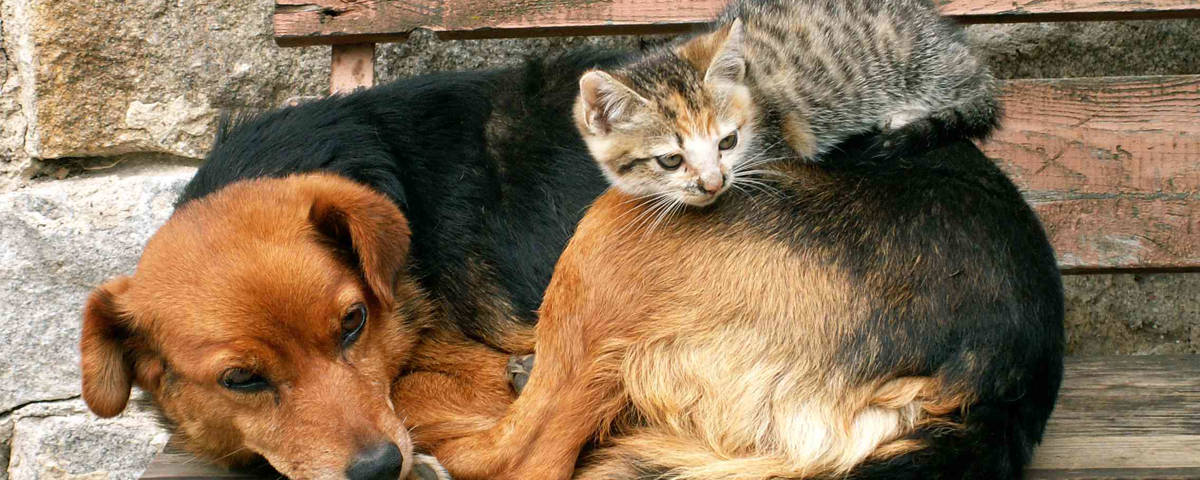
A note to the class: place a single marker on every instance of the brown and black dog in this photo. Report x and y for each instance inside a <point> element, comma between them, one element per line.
<point>862,320</point>
<point>339,271</point>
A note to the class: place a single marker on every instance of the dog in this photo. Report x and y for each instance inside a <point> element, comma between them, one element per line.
<point>862,319</point>
<point>344,272</point>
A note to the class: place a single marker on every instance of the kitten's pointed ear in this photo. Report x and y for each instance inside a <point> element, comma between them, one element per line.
<point>605,101</point>
<point>729,62</point>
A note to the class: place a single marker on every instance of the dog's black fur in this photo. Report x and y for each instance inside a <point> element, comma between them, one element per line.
<point>945,236</point>
<point>492,176</point>
<point>487,167</point>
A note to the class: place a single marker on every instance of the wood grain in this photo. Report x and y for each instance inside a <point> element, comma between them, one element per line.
<point>1112,166</point>
<point>1010,11</point>
<point>321,22</point>
<point>1118,417</point>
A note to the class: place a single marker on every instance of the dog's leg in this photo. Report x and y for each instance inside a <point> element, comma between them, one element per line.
<point>573,394</point>
<point>455,387</point>
<point>426,467</point>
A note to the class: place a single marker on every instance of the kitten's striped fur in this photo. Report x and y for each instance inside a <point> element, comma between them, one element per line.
<point>815,71</point>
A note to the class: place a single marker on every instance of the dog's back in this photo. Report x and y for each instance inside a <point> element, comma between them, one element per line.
<point>486,167</point>
<point>866,320</point>
<point>872,320</point>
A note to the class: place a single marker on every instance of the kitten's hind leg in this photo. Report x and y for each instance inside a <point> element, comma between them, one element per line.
<point>798,133</point>
<point>900,118</point>
<point>971,119</point>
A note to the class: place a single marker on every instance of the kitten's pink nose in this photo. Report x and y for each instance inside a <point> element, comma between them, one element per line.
<point>712,183</point>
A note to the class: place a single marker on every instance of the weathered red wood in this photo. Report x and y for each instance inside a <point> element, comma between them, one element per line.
<point>1009,11</point>
<point>1112,166</point>
<point>353,67</point>
<point>314,22</point>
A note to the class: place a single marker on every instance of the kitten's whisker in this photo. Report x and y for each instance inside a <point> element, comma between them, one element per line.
<point>769,173</point>
<point>662,216</point>
<point>764,187</point>
<point>662,206</point>
<point>759,161</point>
<point>646,212</point>
<point>646,199</point>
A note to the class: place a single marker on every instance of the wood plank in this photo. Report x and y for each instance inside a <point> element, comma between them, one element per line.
<point>1011,11</point>
<point>352,67</point>
<point>319,22</point>
<point>1124,417</point>
<point>1112,166</point>
<point>1118,417</point>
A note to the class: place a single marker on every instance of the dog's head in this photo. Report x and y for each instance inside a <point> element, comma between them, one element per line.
<point>267,319</point>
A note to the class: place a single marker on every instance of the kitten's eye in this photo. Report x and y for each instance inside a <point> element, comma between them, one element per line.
<point>729,141</point>
<point>243,380</point>
<point>352,324</point>
<point>670,162</point>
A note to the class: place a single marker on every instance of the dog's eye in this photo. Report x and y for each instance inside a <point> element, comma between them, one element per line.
<point>352,324</point>
<point>729,141</point>
<point>670,162</point>
<point>242,380</point>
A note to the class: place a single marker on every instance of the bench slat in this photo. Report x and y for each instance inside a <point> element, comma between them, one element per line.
<point>1102,427</point>
<point>1112,165</point>
<point>322,22</point>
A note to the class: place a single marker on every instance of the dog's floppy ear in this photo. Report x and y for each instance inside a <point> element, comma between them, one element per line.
<point>107,368</point>
<point>370,229</point>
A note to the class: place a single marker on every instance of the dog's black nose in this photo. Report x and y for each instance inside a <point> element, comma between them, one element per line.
<point>377,462</point>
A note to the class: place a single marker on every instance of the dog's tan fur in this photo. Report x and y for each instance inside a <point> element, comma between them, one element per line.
<point>717,369</point>
<point>258,276</point>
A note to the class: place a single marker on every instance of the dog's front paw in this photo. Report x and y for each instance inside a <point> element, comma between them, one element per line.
<point>519,369</point>
<point>425,467</point>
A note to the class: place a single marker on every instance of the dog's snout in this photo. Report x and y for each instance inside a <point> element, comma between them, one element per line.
<point>377,462</point>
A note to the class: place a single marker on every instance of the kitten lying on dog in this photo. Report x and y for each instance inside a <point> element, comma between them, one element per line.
<point>340,273</point>
<point>678,124</point>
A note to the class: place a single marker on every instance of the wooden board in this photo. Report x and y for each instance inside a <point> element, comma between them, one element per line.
<point>1124,417</point>
<point>322,22</point>
<point>1118,417</point>
<point>1112,166</point>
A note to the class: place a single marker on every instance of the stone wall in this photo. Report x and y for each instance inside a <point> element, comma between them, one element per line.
<point>106,108</point>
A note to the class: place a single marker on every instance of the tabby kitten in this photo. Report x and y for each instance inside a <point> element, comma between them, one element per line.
<point>681,122</point>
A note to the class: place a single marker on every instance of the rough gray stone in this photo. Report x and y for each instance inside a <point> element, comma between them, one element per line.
<point>1089,49</point>
<point>152,75</point>
<point>61,440</point>
<point>1133,314</point>
<point>57,241</point>
<point>5,444</point>
<point>13,160</point>
<point>424,53</point>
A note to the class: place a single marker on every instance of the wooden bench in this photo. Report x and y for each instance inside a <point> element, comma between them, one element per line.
<point>1112,166</point>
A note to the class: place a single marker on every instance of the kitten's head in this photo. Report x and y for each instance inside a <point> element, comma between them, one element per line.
<point>675,122</point>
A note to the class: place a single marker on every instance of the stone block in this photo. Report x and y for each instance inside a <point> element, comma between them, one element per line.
<point>63,441</point>
<point>149,76</point>
<point>58,240</point>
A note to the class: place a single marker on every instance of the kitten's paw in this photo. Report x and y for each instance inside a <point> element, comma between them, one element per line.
<point>900,119</point>
<point>519,369</point>
<point>426,467</point>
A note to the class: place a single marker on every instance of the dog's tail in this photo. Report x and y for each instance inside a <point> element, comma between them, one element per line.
<point>822,439</point>
<point>948,438</point>
<point>995,439</point>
